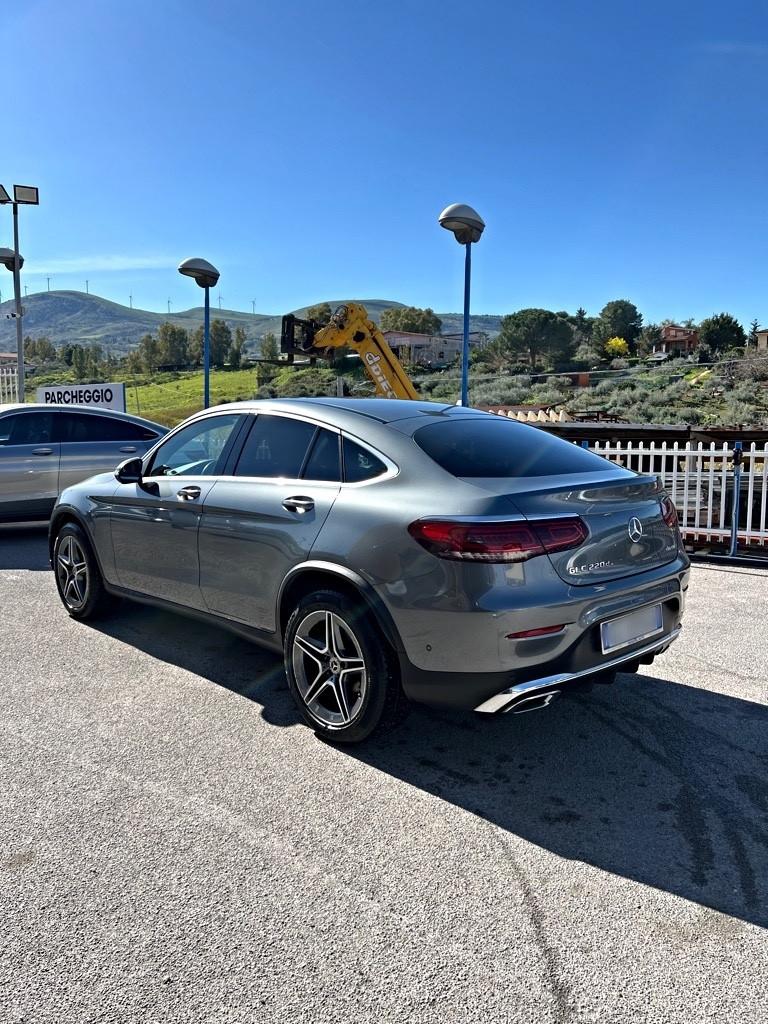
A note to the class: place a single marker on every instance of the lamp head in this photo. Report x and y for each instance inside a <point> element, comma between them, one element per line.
<point>8,259</point>
<point>201,271</point>
<point>466,224</point>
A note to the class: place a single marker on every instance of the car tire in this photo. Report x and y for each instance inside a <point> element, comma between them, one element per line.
<point>78,577</point>
<point>341,671</point>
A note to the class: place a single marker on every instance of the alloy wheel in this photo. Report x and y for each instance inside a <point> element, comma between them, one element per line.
<point>329,669</point>
<point>72,573</point>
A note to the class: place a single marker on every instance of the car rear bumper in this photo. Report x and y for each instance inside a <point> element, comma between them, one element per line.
<point>546,663</point>
<point>520,696</point>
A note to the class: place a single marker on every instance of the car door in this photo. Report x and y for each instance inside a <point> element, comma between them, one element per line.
<point>154,523</point>
<point>263,517</point>
<point>29,464</point>
<point>93,442</point>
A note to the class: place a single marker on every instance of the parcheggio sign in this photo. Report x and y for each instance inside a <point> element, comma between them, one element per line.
<point>106,396</point>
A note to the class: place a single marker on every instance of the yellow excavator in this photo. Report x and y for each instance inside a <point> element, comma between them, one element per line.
<point>350,328</point>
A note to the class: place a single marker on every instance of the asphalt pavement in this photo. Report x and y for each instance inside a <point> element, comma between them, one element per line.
<point>176,846</point>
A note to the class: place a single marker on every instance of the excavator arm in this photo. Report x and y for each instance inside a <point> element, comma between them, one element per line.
<point>350,328</point>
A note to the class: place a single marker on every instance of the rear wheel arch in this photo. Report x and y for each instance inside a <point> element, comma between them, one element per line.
<point>309,579</point>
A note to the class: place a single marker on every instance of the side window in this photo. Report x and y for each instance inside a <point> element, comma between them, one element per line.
<point>324,462</point>
<point>78,426</point>
<point>276,447</point>
<point>6,428</point>
<point>195,450</point>
<point>360,464</point>
<point>27,428</point>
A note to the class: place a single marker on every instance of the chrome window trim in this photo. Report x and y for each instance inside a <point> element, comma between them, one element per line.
<point>392,469</point>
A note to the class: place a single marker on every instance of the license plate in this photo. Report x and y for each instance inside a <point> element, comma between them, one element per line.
<point>628,629</point>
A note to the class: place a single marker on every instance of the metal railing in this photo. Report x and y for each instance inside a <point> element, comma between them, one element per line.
<point>8,386</point>
<point>720,491</point>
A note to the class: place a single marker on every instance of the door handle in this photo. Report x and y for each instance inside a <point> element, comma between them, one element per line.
<point>129,448</point>
<point>188,493</point>
<point>298,504</point>
<point>42,451</point>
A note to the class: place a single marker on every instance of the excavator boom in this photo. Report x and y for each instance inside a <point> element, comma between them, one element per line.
<point>350,328</point>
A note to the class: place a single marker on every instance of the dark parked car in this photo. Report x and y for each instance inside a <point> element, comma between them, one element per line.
<point>45,448</point>
<point>391,550</point>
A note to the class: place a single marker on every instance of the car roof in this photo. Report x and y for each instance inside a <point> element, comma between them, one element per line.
<point>340,412</point>
<point>95,409</point>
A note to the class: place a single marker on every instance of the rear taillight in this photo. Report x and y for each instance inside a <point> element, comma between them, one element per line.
<point>668,512</point>
<point>488,541</point>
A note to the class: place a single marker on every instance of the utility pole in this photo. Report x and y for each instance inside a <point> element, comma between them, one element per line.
<point>49,283</point>
<point>169,305</point>
<point>253,306</point>
<point>219,301</point>
<point>86,289</point>
<point>130,301</point>
<point>26,291</point>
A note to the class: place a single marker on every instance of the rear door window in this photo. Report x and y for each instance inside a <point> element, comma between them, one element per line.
<point>275,447</point>
<point>324,461</point>
<point>82,427</point>
<point>495,447</point>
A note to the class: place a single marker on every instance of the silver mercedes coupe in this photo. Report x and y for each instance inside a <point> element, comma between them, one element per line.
<point>393,551</point>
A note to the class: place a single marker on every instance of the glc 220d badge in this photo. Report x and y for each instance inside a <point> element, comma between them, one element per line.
<point>574,570</point>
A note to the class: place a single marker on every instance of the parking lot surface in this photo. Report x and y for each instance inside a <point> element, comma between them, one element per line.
<point>175,846</point>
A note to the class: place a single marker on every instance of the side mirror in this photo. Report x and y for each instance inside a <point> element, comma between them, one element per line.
<point>129,471</point>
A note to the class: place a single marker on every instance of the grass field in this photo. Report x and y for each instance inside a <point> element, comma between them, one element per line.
<point>170,401</point>
<point>171,397</point>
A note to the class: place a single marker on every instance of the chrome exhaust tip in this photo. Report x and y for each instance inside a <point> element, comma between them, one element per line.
<point>533,703</point>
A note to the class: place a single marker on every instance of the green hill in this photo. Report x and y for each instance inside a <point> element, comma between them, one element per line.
<point>71,317</point>
<point>74,317</point>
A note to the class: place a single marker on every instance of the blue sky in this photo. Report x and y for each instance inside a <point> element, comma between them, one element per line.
<point>614,149</point>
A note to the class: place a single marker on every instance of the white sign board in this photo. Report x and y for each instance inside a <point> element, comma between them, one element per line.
<point>105,396</point>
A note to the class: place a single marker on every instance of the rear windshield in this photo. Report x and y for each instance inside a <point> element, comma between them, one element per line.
<point>496,447</point>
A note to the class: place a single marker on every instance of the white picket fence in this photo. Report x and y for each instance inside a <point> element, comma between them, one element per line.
<point>702,480</point>
<point>8,380</point>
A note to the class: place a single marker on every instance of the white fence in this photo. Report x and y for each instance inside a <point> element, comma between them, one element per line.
<point>702,481</point>
<point>8,380</point>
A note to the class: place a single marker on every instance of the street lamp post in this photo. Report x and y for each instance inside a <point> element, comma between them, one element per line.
<point>23,195</point>
<point>467,226</point>
<point>206,276</point>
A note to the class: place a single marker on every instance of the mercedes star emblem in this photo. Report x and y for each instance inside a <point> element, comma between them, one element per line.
<point>635,529</point>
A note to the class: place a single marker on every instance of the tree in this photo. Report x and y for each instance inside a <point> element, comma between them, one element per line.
<point>79,361</point>
<point>269,348</point>
<point>537,334</point>
<point>235,356</point>
<point>321,313</point>
<point>221,342</point>
<point>173,345</point>
<point>195,346</point>
<point>720,332</point>
<point>133,362</point>
<point>46,352</point>
<point>411,319</point>
<point>618,319</point>
<point>754,327</point>
<point>616,348</point>
<point>649,336</point>
<point>149,351</point>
